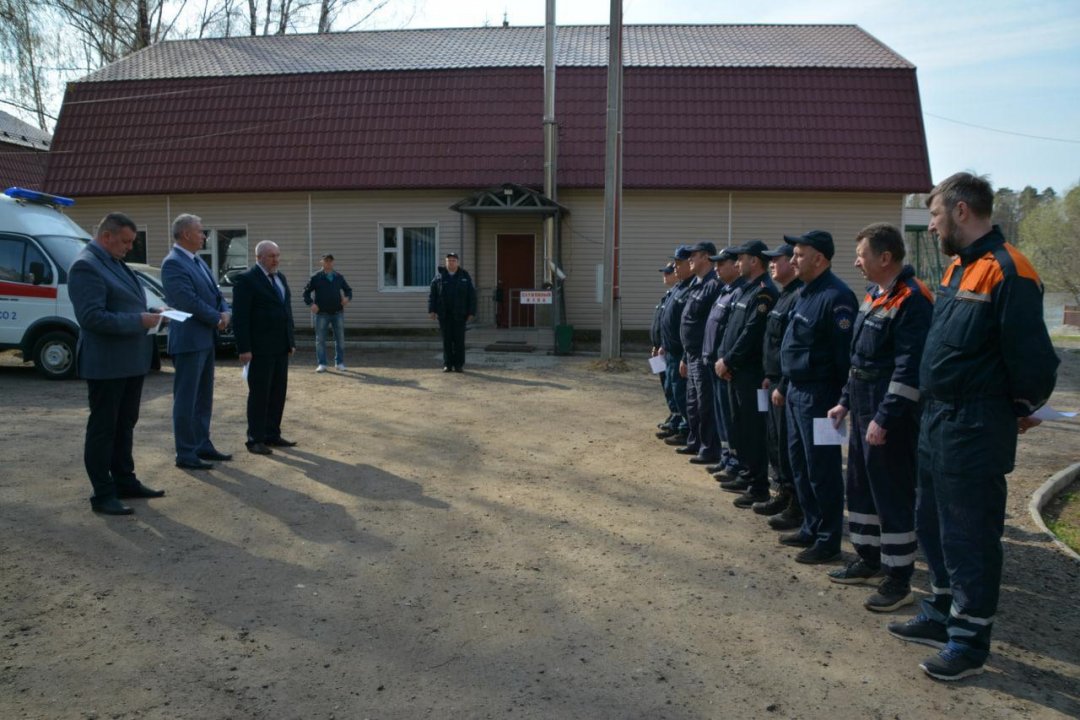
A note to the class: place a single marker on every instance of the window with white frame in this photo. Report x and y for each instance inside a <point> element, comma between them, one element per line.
<point>408,255</point>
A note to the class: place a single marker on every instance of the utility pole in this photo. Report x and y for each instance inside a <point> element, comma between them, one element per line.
<point>611,321</point>
<point>551,154</point>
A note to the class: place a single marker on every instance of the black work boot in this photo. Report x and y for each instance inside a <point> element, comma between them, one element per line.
<point>790,517</point>
<point>775,504</point>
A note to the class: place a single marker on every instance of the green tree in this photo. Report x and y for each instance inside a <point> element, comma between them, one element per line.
<point>1051,239</point>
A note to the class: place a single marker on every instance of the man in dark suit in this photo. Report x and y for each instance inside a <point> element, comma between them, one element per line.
<point>113,355</point>
<point>189,287</point>
<point>263,323</point>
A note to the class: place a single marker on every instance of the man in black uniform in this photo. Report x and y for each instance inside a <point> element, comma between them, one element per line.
<point>667,428</point>
<point>671,344</point>
<point>987,366</point>
<point>702,442</point>
<point>728,272</point>
<point>741,365</point>
<point>783,509</point>
<point>815,357</point>
<point>452,299</point>
<point>882,395</point>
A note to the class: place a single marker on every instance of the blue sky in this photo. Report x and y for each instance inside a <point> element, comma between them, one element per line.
<point>1011,67</point>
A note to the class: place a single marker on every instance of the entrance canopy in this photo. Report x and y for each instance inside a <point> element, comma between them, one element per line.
<point>509,199</point>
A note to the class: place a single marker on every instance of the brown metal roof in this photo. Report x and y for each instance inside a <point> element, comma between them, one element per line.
<point>768,128</point>
<point>823,46</point>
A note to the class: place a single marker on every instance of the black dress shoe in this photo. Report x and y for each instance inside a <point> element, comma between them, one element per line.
<point>676,439</point>
<point>259,449</point>
<point>138,491</point>
<point>110,506</point>
<point>796,539</point>
<point>686,450</point>
<point>194,465</point>
<point>698,460</point>
<point>215,455</point>
<point>279,442</point>
<point>459,369</point>
<point>817,555</point>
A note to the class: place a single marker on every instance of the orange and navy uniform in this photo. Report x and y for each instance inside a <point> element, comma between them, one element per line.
<point>988,338</point>
<point>887,342</point>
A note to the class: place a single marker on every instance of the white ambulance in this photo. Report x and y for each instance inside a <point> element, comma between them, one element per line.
<point>38,243</point>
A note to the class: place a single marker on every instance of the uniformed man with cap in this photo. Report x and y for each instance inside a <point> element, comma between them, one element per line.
<point>671,344</point>
<point>987,366</point>
<point>783,509</point>
<point>882,395</point>
<point>702,442</point>
<point>740,364</point>
<point>669,279</point>
<point>727,271</point>
<point>815,357</point>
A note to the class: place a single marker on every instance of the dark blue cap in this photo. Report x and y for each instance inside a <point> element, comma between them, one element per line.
<point>725,254</point>
<point>704,246</point>
<point>668,269</point>
<point>785,249</point>
<point>682,253</point>
<point>817,239</point>
<point>753,247</point>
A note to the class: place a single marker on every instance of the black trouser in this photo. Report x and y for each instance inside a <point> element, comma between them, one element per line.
<point>700,411</point>
<point>110,431</point>
<point>268,380</point>
<point>747,431</point>
<point>453,341</point>
<point>777,432</point>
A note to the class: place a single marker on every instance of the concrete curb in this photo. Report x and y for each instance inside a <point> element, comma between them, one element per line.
<point>1047,492</point>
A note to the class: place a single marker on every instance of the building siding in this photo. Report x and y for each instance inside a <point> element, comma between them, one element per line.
<point>654,222</point>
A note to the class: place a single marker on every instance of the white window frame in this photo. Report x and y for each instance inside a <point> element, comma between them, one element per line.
<point>400,236</point>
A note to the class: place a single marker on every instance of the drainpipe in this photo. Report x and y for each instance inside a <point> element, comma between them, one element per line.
<point>611,321</point>
<point>551,133</point>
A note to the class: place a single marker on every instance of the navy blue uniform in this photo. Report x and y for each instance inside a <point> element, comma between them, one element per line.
<point>715,325</point>
<point>743,346</point>
<point>887,345</point>
<point>815,359</point>
<point>776,429</point>
<point>700,414</point>
<point>673,349</point>
<point>988,360</point>
<point>656,342</point>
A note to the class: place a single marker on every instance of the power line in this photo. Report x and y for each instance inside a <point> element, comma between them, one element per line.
<point>1003,132</point>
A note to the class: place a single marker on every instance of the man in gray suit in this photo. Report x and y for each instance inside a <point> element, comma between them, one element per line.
<point>189,287</point>
<point>113,354</point>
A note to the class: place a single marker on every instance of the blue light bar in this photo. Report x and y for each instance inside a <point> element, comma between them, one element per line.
<point>40,198</point>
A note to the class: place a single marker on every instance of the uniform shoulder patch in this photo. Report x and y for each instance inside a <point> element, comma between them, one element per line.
<point>762,308</point>
<point>844,317</point>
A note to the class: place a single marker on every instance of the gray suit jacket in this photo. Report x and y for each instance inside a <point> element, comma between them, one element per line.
<point>108,303</point>
<point>189,288</point>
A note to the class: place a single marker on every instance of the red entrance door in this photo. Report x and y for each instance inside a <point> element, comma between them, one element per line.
<point>515,271</point>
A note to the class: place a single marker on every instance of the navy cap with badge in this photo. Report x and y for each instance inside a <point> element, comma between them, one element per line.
<point>817,239</point>
<point>727,253</point>
<point>668,269</point>
<point>753,247</point>
<point>784,250</point>
<point>683,252</point>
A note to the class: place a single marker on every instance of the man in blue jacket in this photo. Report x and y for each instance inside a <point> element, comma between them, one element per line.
<point>331,294</point>
<point>671,344</point>
<point>452,299</point>
<point>814,358</point>
<point>113,355</point>
<point>189,287</point>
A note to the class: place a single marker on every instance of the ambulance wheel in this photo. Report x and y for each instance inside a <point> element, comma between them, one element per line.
<point>54,355</point>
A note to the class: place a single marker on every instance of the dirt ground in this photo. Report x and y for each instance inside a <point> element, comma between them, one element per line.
<point>508,543</point>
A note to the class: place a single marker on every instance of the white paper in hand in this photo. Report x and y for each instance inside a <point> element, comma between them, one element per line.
<point>826,434</point>
<point>658,364</point>
<point>762,400</point>
<point>1048,413</point>
<point>244,371</point>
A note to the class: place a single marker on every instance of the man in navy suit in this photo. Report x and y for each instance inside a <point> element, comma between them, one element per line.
<point>113,355</point>
<point>263,323</point>
<point>189,287</point>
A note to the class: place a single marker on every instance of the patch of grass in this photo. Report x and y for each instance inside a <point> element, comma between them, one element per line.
<point>1062,516</point>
